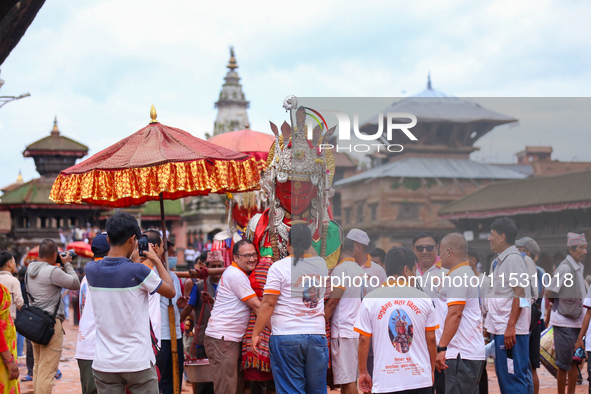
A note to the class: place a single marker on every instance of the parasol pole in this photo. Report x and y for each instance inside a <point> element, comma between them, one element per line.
<point>171,320</point>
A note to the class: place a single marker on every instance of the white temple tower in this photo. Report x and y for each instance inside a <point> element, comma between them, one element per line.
<point>231,105</point>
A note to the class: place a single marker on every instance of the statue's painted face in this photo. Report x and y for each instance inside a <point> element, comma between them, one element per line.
<point>242,215</point>
<point>296,196</point>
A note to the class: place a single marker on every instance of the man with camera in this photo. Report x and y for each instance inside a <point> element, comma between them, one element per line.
<point>44,281</point>
<point>119,291</point>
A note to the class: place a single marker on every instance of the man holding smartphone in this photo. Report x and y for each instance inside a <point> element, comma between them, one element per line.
<point>120,290</point>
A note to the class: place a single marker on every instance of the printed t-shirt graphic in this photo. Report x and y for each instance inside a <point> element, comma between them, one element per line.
<point>119,291</point>
<point>300,306</point>
<point>401,330</point>
<point>468,341</point>
<point>87,327</point>
<point>345,313</point>
<point>396,318</point>
<point>230,314</point>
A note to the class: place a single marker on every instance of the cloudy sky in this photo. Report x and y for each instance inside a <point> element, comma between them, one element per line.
<point>99,65</point>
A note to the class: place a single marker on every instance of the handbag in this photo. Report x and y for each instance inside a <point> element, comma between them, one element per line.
<point>34,323</point>
<point>536,314</point>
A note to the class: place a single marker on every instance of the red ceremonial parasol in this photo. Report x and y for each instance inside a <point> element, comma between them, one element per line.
<point>82,249</point>
<point>254,143</point>
<point>158,162</point>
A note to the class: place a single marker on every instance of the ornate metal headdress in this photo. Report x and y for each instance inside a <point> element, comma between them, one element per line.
<point>400,320</point>
<point>294,157</point>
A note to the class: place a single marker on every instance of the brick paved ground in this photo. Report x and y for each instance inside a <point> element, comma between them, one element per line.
<point>70,382</point>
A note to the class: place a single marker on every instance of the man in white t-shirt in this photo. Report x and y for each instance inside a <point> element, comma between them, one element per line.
<point>341,310</point>
<point>293,301</point>
<point>155,239</point>
<point>424,245</point>
<point>166,383</point>
<point>461,348</point>
<point>87,327</point>
<point>119,290</point>
<point>399,320</point>
<point>229,318</point>
<point>567,322</point>
<point>375,273</point>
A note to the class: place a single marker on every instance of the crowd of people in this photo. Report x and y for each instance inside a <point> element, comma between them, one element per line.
<point>410,320</point>
<point>78,234</point>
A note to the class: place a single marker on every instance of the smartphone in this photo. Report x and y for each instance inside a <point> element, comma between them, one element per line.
<point>142,244</point>
<point>510,362</point>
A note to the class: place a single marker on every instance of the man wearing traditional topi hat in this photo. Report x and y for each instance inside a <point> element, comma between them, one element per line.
<point>375,272</point>
<point>567,309</point>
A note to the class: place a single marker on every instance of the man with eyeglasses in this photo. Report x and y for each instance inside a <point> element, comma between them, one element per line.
<point>229,318</point>
<point>425,247</point>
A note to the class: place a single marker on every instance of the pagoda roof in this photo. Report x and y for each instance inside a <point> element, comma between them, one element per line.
<point>12,186</point>
<point>432,167</point>
<point>36,191</point>
<point>35,194</point>
<point>431,105</point>
<point>56,143</point>
<point>527,196</point>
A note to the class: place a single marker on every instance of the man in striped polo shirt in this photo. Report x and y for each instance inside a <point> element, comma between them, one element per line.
<point>119,290</point>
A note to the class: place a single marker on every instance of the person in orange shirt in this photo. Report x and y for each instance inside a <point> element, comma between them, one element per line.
<point>461,348</point>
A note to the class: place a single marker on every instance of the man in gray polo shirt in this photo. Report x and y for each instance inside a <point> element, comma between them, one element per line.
<point>509,313</point>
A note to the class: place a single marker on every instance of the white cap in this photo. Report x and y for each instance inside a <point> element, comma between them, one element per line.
<point>358,236</point>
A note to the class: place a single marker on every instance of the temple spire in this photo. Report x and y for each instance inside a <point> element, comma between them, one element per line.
<point>232,63</point>
<point>19,178</point>
<point>232,104</point>
<point>55,130</point>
